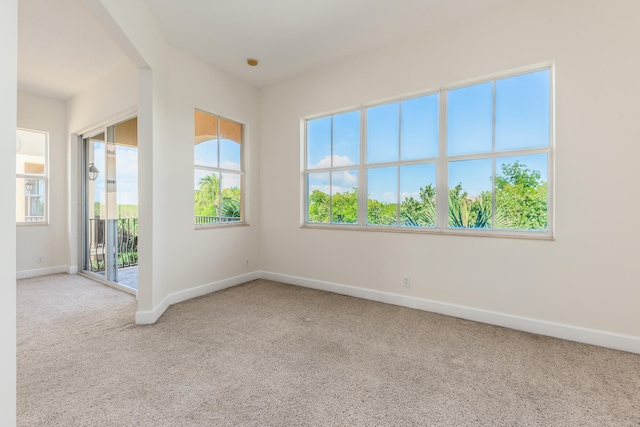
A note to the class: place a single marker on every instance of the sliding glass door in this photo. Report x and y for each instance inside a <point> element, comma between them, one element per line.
<point>110,207</point>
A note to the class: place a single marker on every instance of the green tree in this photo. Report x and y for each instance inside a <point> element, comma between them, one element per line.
<point>521,197</point>
<point>318,206</point>
<point>230,202</point>
<point>379,213</point>
<point>419,213</point>
<point>469,212</point>
<point>207,196</point>
<point>344,207</point>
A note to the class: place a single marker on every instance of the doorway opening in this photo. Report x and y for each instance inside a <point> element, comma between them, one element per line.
<point>110,204</point>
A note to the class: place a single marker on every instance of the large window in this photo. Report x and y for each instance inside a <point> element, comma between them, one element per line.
<point>218,170</point>
<point>465,159</point>
<point>31,176</point>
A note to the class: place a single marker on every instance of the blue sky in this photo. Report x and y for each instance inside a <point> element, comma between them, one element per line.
<point>126,174</point>
<point>521,121</point>
<point>206,154</point>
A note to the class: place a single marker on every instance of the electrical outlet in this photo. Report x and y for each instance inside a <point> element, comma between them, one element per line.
<point>406,282</point>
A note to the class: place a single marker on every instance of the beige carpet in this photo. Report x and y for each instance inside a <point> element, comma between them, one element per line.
<point>269,354</point>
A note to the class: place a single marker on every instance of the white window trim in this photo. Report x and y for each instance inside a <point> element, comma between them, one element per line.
<point>40,177</point>
<point>442,165</point>
<point>240,173</point>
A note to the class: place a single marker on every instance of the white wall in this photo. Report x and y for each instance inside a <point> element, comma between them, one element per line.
<point>109,99</point>
<point>588,276</point>
<point>174,257</point>
<point>47,241</point>
<point>195,257</point>
<point>8,117</point>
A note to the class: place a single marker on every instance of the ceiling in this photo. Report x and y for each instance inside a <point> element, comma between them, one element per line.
<point>62,49</point>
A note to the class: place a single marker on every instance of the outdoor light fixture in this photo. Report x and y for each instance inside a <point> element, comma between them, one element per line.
<point>28,184</point>
<point>93,171</point>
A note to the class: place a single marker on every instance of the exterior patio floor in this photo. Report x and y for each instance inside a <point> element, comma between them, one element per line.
<point>128,276</point>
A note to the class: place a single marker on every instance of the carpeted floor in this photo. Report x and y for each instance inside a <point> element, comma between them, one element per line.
<point>270,354</point>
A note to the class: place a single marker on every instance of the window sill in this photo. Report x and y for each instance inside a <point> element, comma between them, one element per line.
<point>31,224</point>
<point>526,235</point>
<point>220,225</point>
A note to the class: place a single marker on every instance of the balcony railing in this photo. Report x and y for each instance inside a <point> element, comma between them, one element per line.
<point>203,220</point>
<point>124,237</point>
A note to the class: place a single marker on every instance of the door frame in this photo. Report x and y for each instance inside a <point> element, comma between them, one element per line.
<point>83,178</point>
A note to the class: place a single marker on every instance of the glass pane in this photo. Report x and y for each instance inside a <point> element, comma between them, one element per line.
<point>470,203</point>
<point>344,197</point>
<point>96,204</point>
<point>418,195</point>
<point>231,131</point>
<point>98,188</point>
<point>206,139</point>
<point>30,197</point>
<point>346,139</point>
<point>230,140</point>
<point>31,149</point>
<point>382,201</point>
<point>230,210</point>
<point>319,143</point>
<point>229,154</point>
<point>522,192</point>
<point>420,128</point>
<point>470,119</point>
<point>383,124</point>
<point>206,153</point>
<point>206,196</point>
<point>127,181</point>
<point>522,111</point>
<point>318,189</point>
<point>206,126</point>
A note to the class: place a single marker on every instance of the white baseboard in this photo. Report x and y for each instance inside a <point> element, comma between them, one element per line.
<point>542,327</point>
<point>151,316</point>
<point>73,269</point>
<point>557,330</point>
<point>26,274</point>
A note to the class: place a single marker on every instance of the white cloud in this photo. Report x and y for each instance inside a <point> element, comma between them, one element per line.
<point>337,162</point>
<point>386,197</point>
<point>323,188</point>
<point>230,165</point>
<point>230,180</point>
<point>345,179</point>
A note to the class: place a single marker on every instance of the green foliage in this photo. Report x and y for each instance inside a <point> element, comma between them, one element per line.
<point>379,213</point>
<point>521,203</point>
<point>207,196</point>
<point>521,196</point>
<point>344,207</point>
<point>467,212</point>
<point>127,211</point>
<point>419,213</point>
<point>209,201</point>
<point>318,206</point>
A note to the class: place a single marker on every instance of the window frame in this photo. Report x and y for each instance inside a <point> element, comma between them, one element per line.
<point>442,161</point>
<point>37,177</point>
<point>241,173</point>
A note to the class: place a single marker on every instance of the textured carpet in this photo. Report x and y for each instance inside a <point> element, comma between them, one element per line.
<point>266,353</point>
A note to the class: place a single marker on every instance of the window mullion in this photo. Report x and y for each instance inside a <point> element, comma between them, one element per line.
<point>219,210</point>
<point>442,186</point>
<point>493,160</point>
<point>397,165</point>
<point>362,170</point>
